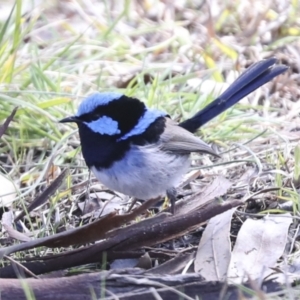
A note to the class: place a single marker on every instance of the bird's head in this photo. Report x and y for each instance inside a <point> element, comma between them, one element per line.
<point>115,115</point>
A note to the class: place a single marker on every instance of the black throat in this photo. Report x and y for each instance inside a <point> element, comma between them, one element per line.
<point>102,150</point>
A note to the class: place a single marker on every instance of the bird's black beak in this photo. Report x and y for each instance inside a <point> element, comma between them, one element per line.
<point>72,119</point>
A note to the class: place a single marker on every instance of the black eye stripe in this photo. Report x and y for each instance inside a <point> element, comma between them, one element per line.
<point>90,117</point>
<point>126,111</point>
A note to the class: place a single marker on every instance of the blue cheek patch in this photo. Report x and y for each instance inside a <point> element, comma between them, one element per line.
<point>104,125</point>
<point>148,118</point>
<point>96,99</point>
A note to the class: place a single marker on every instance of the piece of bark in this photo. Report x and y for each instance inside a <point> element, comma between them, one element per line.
<point>126,285</point>
<point>149,232</point>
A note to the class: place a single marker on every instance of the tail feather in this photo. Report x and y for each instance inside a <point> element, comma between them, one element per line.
<point>255,76</point>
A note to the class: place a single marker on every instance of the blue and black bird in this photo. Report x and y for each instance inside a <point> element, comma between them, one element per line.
<point>140,151</point>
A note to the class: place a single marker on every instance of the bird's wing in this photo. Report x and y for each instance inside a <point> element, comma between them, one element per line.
<point>179,140</point>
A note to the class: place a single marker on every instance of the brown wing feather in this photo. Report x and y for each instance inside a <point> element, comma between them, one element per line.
<point>177,139</point>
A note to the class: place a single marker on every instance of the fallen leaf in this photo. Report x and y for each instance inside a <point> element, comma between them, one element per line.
<point>148,232</point>
<point>144,262</point>
<point>217,188</point>
<point>53,172</point>
<point>214,251</point>
<point>7,218</point>
<point>115,236</point>
<point>260,243</point>
<point>7,223</point>
<point>98,208</point>
<point>8,191</point>
<point>85,234</point>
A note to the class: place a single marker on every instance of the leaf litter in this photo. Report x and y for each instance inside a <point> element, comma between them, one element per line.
<point>207,204</point>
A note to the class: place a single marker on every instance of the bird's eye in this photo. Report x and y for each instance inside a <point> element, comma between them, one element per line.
<point>92,116</point>
<point>97,116</point>
<point>89,117</point>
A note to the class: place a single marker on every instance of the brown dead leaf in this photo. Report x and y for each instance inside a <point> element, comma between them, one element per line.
<point>148,232</point>
<point>115,237</point>
<point>52,173</point>
<point>85,234</point>
<point>144,262</point>
<point>217,188</point>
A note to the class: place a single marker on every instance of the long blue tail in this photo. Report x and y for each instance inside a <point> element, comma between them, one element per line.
<point>254,77</point>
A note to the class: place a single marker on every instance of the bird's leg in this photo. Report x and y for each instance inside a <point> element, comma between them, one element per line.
<point>171,194</point>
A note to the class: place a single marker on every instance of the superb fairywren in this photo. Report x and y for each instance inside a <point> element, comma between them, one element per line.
<point>141,152</point>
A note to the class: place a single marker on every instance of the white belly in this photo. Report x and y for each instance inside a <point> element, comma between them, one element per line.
<point>144,174</point>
